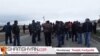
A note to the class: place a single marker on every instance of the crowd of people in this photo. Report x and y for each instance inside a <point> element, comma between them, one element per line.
<point>76,31</point>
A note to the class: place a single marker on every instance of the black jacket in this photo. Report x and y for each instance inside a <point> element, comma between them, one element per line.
<point>60,29</point>
<point>15,29</point>
<point>87,27</point>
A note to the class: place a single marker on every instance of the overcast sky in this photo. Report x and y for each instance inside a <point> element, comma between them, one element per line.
<point>65,10</point>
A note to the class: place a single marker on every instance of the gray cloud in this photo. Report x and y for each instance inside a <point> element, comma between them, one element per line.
<point>64,10</point>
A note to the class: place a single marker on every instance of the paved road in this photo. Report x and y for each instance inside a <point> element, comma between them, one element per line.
<point>26,41</point>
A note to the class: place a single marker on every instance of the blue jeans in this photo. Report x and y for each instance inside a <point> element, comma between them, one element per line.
<point>79,38</point>
<point>8,37</point>
<point>60,39</point>
<point>33,38</point>
<point>16,40</point>
<point>63,37</point>
<point>67,35</point>
<point>87,36</point>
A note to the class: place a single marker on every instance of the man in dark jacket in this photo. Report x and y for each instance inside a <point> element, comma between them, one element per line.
<point>16,33</point>
<point>79,33</point>
<point>38,26</point>
<point>70,29</point>
<point>94,27</point>
<point>60,33</point>
<point>34,31</point>
<point>87,29</point>
<point>30,29</point>
<point>66,31</point>
<point>74,31</point>
<point>24,28</point>
<point>7,29</point>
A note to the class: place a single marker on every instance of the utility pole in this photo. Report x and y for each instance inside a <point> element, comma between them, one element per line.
<point>43,19</point>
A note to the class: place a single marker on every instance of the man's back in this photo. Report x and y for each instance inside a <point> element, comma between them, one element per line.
<point>87,27</point>
<point>47,27</point>
<point>7,29</point>
<point>15,29</point>
<point>33,27</point>
<point>38,26</point>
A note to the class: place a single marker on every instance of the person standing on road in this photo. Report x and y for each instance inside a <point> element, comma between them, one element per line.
<point>34,31</point>
<point>60,33</point>
<point>79,33</point>
<point>47,29</point>
<point>74,31</point>
<point>94,27</point>
<point>16,33</point>
<point>66,30</point>
<point>24,28</point>
<point>87,29</point>
<point>38,31</point>
<point>70,29</point>
<point>30,29</point>
<point>8,36</point>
